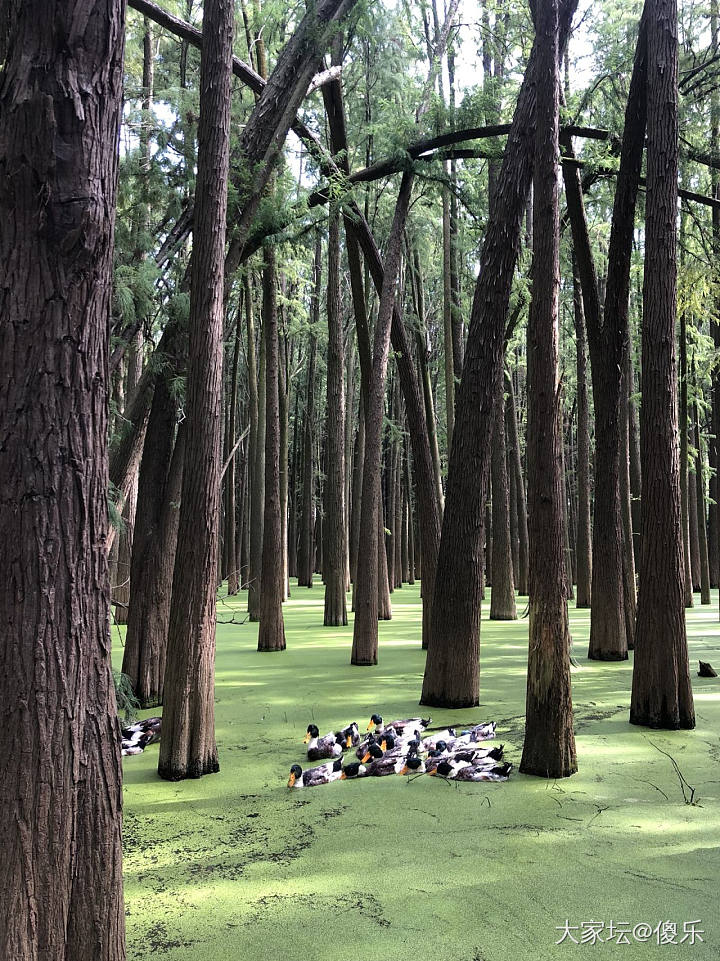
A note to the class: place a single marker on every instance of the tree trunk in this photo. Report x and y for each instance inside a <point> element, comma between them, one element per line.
<point>701,519</point>
<point>661,690</point>
<point>271,633</point>
<point>365,632</point>
<point>451,670</point>
<point>60,789</point>
<point>549,748</point>
<point>684,487</point>
<point>629,578</point>
<point>607,341</point>
<point>334,527</point>
<point>502,601</point>
<point>284,400</point>
<point>187,748</point>
<point>230,539</point>
<point>583,543</point>
<point>257,455</point>
<point>121,588</point>
<point>153,559</point>
<point>514,442</point>
<point>305,550</point>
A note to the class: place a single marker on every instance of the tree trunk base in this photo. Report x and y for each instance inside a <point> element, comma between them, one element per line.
<point>358,663</point>
<point>539,769</point>
<point>195,770</point>
<point>662,720</point>
<point>607,655</point>
<point>439,700</point>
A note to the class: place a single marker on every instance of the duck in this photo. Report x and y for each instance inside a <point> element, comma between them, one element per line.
<point>412,764</point>
<point>383,765</point>
<point>354,770</point>
<point>398,727</point>
<point>314,776</point>
<point>321,747</point>
<point>464,771</point>
<point>430,743</point>
<point>349,736</point>
<point>137,736</point>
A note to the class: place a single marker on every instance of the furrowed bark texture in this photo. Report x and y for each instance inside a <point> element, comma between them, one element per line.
<point>187,748</point>
<point>661,691</point>
<point>60,774</point>
<point>549,748</point>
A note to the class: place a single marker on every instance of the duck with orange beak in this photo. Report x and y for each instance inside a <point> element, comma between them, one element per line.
<point>315,776</point>
<point>321,747</point>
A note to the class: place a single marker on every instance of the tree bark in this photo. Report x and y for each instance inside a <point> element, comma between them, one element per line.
<point>60,783</point>
<point>514,442</point>
<point>334,528</point>
<point>153,559</point>
<point>583,543</point>
<point>187,748</point>
<point>365,632</point>
<point>502,600</point>
<point>701,519</point>
<point>305,550</point>
<point>230,538</point>
<point>661,690</point>
<point>271,633</point>
<point>549,748</point>
<point>684,487</point>
<point>451,670</point>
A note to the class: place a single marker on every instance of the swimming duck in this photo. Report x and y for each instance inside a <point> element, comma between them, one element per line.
<point>314,776</point>
<point>137,736</point>
<point>349,736</point>
<point>382,765</point>
<point>462,771</point>
<point>398,727</point>
<point>431,742</point>
<point>321,747</point>
<point>354,770</point>
<point>412,764</point>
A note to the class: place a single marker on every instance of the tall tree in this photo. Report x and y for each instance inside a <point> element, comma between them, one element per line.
<point>60,777</point>
<point>334,555</point>
<point>549,748</point>
<point>188,746</point>
<point>661,690</point>
<point>451,671</point>
<point>271,634</point>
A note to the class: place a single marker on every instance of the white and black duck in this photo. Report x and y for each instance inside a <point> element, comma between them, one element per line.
<point>315,776</point>
<point>137,736</point>
<point>318,747</point>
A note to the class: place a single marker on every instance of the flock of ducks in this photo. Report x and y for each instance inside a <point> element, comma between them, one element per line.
<point>400,747</point>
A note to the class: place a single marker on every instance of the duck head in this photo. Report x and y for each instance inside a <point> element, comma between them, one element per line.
<point>312,731</point>
<point>388,742</point>
<point>295,773</point>
<point>356,769</point>
<point>412,765</point>
<point>376,719</point>
<point>374,750</point>
<point>443,769</point>
<point>440,748</point>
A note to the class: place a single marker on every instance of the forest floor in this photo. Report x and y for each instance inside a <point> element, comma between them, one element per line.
<point>236,867</point>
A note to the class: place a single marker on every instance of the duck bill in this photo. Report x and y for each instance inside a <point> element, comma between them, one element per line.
<point>366,758</point>
<point>383,746</point>
<point>432,773</point>
<point>405,770</point>
<point>348,741</point>
<point>343,776</point>
<point>291,781</point>
<point>370,726</point>
<point>306,738</point>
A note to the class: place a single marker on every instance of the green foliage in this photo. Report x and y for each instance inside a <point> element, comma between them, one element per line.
<point>127,704</point>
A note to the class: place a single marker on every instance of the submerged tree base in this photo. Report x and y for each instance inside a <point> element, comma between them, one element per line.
<point>608,656</point>
<point>171,772</point>
<point>665,720</point>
